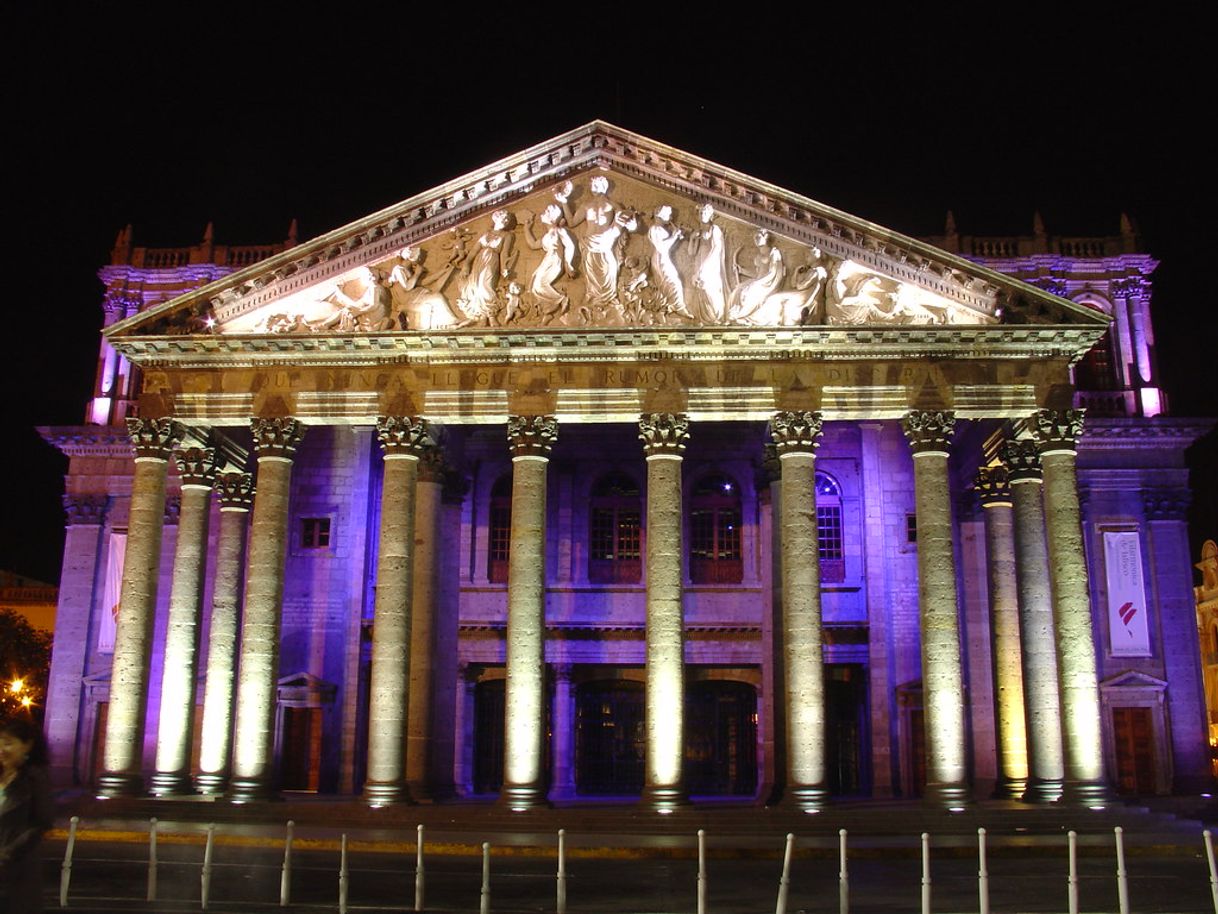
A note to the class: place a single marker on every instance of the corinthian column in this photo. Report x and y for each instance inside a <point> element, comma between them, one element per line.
<point>1056,432</point>
<point>275,441</point>
<point>420,736</point>
<point>236,493</point>
<point>530,438</point>
<point>929,434</point>
<point>796,437</point>
<point>1036,630</point>
<point>403,439</point>
<point>994,494</point>
<point>154,441</point>
<point>197,471</point>
<point>664,436</point>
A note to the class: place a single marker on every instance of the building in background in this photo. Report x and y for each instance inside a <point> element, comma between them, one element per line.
<point>607,470</point>
<point>34,601</point>
<point>1206,594</point>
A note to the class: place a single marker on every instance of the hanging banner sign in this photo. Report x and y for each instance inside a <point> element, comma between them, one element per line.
<point>1128,629</point>
<point>110,593</point>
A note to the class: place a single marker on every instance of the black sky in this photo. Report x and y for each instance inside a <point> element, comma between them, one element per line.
<point>172,119</point>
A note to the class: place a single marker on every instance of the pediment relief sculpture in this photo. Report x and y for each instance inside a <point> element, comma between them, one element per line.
<point>603,252</point>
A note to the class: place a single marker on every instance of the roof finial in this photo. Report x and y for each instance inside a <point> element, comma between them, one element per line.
<point>292,233</point>
<point>950,226</point>
<point>209,234</point>
<point>1038,224</point>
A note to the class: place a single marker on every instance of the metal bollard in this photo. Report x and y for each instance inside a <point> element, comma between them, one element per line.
<point>342,876</point>
<point>152,859</point>
<point>701,871</point>
<point>285,877</point>
<point>65,872</point>
<point>561,887</point>
<point>484,906</point>
<point>784,883</point>
<point>1072,879</point>
<point>925,873</point>
<point>1122,881</point>
<point>843,879</point>
<point>983,875</point>
<point>205,876</point>
<point>1209,856</point>
<point>418,872</point>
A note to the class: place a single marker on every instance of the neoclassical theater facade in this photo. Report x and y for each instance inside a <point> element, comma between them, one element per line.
<point>609,471</point>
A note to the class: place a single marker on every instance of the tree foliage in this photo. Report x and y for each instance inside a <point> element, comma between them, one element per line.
<point>25,655</point>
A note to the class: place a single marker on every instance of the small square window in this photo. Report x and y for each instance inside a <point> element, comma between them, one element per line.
<point>315,532</point>
<point>911,528</point>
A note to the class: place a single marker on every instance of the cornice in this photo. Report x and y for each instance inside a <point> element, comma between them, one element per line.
<point>1140,433</point>
<point>88,440</point>
<point>624,345</point>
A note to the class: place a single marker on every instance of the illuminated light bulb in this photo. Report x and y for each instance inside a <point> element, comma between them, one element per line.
<point>664,812</point>
<point>811,812</point>
<point>25,702</point>
<point>1097,808</point>
<point>16,686</point>
<point>955,809</point>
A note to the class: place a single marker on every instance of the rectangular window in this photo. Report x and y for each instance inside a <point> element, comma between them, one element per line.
<point>829,544</point>
<point>500,545</point>
<point>314,532</point>
<point>911,528</point>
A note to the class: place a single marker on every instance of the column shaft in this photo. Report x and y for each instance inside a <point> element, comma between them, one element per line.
<point>423,659</point>
<point>525,699</point>
<point>176,726</point>
<point>216,741</point>
<point>664,785</point>
<point>391,647</point>
<point>257,682</point>
<point>124,740</point>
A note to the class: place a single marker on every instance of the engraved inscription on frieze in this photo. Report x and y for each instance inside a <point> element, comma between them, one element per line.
<point>603,251</point>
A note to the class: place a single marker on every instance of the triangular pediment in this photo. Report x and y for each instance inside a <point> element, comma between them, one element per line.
<point>602,229</point>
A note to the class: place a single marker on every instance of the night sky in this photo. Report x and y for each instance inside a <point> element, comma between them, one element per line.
<point>250,121</point>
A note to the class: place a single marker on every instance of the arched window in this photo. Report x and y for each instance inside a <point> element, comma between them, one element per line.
<point>499,544</point>
<point>615,531</point>
<point>714,531</point>
<point>829,529</point>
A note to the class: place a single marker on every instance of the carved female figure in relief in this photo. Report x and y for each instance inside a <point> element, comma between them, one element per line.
<point>666,281</point>
<point>605,223</point>
<point>709,302</point>
<point>762,276</point>
<point>558,248</point>
<point>487,264</point>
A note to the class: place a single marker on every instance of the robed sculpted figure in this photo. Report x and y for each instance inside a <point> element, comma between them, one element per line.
<point>665,278</point>
<point>491,260</point>
<point>420,306</point>
<point>558,258</point>
<point>604,225</point>
<point>709,247</point>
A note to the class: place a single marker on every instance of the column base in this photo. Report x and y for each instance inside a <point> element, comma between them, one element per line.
<point>523,797</point>
<point>664,800</point>
<point>170,784</point>
<point>1012,789</point>
<point>211,785</point>
<point>112,785</point>
<point>389,793</point>
<point>952,797</point>
<point>806,798</point>
<point>1090,794</point>
<point>250,790</point>
<point>1042,790</point>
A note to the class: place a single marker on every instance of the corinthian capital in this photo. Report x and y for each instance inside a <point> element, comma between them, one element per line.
<point>1057,430</point>
<point>1022,460</point>
<point>992,487</point>
<point>663,433</point>
<point>196,466</point>
<point>84,510</point>
<point>236,491</point>
<point>403,436</point>
<point>796,431</point>
<point>929,431</point>
<point>276,437</point>
<point>531,436</point>
<point>154,439</point>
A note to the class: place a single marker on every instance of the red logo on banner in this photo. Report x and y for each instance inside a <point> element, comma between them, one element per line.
<point>1127,612</point>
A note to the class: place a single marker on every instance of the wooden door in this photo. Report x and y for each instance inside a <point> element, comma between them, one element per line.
<point>1133,733</point>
